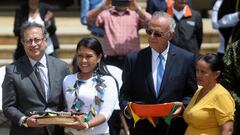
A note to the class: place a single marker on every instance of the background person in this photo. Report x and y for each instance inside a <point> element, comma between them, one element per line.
<point>189,28</point>
<point>86,6</point>
<point>211,110</point>
<point>231,79</point>
<point>161,5</point>
<point>94,90</point>
<point>224,18</point>
<point>34,11</point>
<point>121,21</point>
<point>24,91</point>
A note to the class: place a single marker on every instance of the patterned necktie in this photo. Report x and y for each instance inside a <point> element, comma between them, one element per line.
<point>38,75</point>
<point>159,73</point>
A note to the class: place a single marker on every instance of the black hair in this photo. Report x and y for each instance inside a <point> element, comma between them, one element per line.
<point>93,44</point>
<point>213,60</point>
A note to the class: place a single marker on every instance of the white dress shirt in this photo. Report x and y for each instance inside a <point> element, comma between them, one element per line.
<point>228,20</point>
<point>155,62</point>
<point>179,14</point>
<point>43,72</point>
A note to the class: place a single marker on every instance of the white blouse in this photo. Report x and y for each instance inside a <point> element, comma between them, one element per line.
<point>87,93</point>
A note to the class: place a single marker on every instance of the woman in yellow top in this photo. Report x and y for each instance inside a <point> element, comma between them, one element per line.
<point>211,110</point>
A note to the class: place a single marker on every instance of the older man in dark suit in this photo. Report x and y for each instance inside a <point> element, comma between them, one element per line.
<point>160,73</point>
<point>33,83</point>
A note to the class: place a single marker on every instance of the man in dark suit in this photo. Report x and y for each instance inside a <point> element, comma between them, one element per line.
<point>141,77</point>
<point>28,88</point>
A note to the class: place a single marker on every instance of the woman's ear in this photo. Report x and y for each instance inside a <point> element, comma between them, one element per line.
<point>218,73</point>
<point>99,57</point>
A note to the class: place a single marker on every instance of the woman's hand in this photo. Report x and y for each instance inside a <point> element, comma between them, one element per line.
<point>78,124</point>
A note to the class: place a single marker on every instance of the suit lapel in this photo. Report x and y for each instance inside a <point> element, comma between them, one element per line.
<point>168,67</point>
<point>51,75</point>
<point>148,66</point>
<point>28,70</point>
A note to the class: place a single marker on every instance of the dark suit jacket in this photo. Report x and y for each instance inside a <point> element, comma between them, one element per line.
<point>189,32</point>
<point>22,94</point>
<point>179,84</point>
<point>21,16</point>
<point>156,5</point>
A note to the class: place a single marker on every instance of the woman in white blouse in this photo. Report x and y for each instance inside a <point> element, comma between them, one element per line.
<point>91,91</point>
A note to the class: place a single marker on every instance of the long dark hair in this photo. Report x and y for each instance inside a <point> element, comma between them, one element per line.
<point>93,44</point>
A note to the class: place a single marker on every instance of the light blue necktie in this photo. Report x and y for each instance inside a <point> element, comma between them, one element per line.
<point>159,73</point>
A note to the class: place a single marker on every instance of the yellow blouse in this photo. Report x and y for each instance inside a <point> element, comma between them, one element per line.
<point>209,113</point>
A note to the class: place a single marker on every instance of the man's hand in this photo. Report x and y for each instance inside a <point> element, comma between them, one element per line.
<point>127,112</point>
<point>48,17</point>
<point>107,4</point>
<point>32,122</point>
<point>133,5</point>
<point>179,109</point>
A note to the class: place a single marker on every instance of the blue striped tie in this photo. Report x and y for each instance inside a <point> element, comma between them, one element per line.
<point>159,73</point>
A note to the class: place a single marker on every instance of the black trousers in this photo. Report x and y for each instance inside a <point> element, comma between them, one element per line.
<point>114,123</point>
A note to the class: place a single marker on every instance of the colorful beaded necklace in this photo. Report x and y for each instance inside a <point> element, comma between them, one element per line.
<point>100,88</point>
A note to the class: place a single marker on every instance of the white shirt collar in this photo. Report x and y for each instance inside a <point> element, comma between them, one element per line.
<point>164,53</point>
<point>43,61</point>
<point>179,14</point>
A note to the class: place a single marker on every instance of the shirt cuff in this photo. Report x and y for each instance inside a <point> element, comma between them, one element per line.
<point>127,113</point>
<point>22,119</point>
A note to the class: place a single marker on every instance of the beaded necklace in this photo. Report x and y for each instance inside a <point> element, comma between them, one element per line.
<point>98,99</point>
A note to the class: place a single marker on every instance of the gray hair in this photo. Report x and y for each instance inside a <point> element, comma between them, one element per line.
<point>28,25</point>
<point>160,14</point>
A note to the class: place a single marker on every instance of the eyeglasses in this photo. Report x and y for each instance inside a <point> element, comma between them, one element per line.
<point>35,40</point>
<point>155,33</point>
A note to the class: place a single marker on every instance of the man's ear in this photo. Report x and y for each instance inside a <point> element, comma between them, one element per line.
<point>172,35</point>
<point>45,42</point>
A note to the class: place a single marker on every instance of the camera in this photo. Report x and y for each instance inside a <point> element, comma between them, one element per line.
<point>121,3</point>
